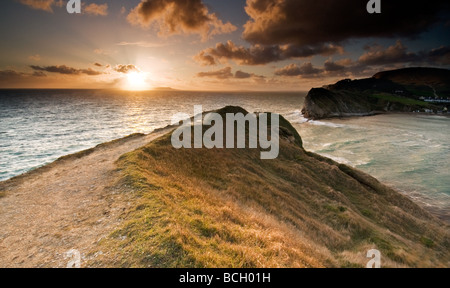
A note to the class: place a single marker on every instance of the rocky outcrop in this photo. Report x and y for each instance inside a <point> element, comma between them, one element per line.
<point>391,91</point>
<point>323,103</point>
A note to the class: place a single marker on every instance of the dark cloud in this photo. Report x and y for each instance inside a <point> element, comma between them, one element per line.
<point>398,53</point>
<point>126,68</point>
<point>306,22</point>
<point>260,55</point>
<point>12,76</point>
<point>226,73</point>
<point>178,17</point>
<point>332,66</point>
<point>440,55</point>
<point>377,55</point>
<point>375,58</point>
<point>306,69</point>
<point>65,70</point>
<point>39,74</point>
<point>242,75</point>
<point>7,74</point>
<point>98,64</point>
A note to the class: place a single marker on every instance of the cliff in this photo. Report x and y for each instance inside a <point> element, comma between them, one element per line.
<point>228,208</point>
<point>391,91</point>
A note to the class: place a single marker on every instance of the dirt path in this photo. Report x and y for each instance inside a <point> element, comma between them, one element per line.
<point>66,205</point>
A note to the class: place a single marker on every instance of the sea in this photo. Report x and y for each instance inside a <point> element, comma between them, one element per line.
<point>409,152</point>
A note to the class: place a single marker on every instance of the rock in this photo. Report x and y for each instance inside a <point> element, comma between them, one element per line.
<point>392,91</point>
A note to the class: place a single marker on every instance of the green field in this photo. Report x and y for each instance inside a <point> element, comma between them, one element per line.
<point>401,100</point>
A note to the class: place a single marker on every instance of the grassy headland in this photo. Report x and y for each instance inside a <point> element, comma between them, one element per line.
<point>228,208</point>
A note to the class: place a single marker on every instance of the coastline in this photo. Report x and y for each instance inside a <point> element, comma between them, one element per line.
<point>377,113</point>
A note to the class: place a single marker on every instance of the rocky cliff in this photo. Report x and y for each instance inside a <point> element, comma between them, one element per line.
<point>392,91</point>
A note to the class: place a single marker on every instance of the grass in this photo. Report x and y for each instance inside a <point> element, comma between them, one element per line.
<point>427,242</point>
<point>401,100</point>
<point>228,208</point>
<point>421,91</point>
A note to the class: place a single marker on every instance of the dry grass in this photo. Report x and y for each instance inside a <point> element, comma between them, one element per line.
<point>227,208</point>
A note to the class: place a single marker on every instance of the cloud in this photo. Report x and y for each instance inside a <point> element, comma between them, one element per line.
<point>376,56</point>
<point>226,73</point>
<point>65,70</point>
<point>398,53</point>
<point>260,55</point>
<point>36,57</point>
<point>45,5</point>
<point>242,75</point>
<point>305,22</point>
<point>39,74</point>
<point>306,69</point>
<point>104,52</point>
<point>126,68</point>
<point>98,64</point>
<point>96,9</point>
<point>8,76</point>
<point>179,17</point>
<point>143,44</point>
<point>440,55</point>
<point>332,66</point>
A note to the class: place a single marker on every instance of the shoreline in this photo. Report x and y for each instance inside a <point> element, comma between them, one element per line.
<point>377,113</point>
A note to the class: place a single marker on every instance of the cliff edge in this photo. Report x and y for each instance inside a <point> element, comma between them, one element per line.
<point>404,90</point>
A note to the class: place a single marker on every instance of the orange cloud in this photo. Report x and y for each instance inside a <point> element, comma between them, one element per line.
<point>96,9</point>
<point>63,69</point>
<point>126,68</point>
<point>45,5</point>
<point>179,17</point>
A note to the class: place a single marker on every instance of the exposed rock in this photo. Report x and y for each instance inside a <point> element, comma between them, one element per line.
<point>392,91</point>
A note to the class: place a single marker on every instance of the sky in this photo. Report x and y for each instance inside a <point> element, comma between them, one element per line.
<point>260,45</point>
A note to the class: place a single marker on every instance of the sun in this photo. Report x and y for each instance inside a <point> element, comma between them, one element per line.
<point>136,81</point>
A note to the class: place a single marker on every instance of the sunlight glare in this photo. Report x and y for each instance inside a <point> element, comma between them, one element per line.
<point>136,81</point>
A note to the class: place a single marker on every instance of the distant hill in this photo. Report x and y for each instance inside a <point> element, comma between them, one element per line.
<point>228,208</point>
<point>420,81</point>
<point>403,90</point>
<point>164,89</point>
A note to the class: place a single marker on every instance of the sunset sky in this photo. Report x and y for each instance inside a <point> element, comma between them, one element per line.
<point>215,44</point>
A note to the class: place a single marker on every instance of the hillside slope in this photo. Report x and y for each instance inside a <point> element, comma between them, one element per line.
<point>391,91</point>
<point>228,208</point>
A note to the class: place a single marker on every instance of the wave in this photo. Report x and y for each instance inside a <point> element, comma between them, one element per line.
<point>296,117</point>
<point>345,161</point>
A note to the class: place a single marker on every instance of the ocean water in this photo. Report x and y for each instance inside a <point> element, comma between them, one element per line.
<point>406,151</point>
